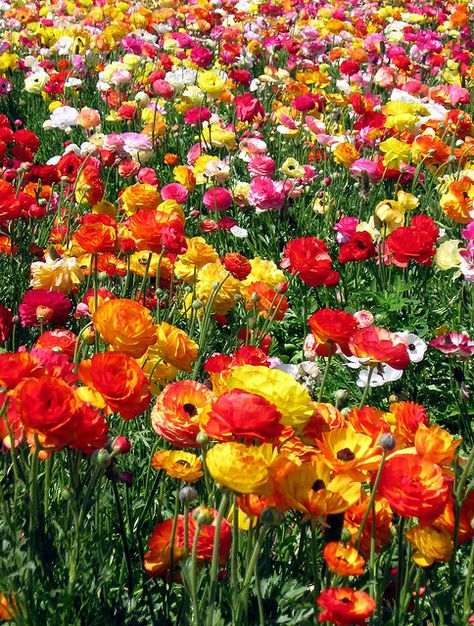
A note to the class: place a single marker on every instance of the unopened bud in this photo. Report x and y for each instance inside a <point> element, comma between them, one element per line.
<point>202,515</point>
<point>187,494</point>
<point>346,536</point>
<point>340,396</point>
<point>387,441</point>
<point>101,458</point>
<point>202,439</point>
<point>121,445</point>
<point>126,478</point>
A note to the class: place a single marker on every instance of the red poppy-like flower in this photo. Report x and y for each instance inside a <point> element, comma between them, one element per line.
<point>10,207</point>
<point>248,107</point>
<point>59,340</point>
<point>359,248</point>
<point>97,233</point>
<point>414,487</point>
<point>46,407</point>
<point>91,430</point>
<point>238,265</point>
<point>158,556</point>
<point>378,345</point>
<point>240,414</point>
<point>309,258</point>
<point>205,542</point>
<point>40,306</point>
<point>121,382</point>
<point>15,366</point>
<point>330,327</point>
<point>344,606</point>
<point>415,242</point>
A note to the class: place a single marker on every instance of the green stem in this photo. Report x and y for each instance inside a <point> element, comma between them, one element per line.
<point>215,554</point>
<point>366,388</point>
<point>371,500</point>
<point>123,535</point>
<point>325,376</point>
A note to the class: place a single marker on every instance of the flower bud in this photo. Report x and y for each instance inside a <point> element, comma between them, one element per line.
<point>187,494</point>
<point>126,478</point>
<point>202,515</point>
<point>387,441</point>
<point>340,396</point>
<point>121,445</point>
<point>202,439</point>
<point>101,458</point>
<point>346,536</point>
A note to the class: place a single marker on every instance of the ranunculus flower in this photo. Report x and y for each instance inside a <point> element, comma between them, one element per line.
<point>377,345</point>
<point>175,347</point>
<point>345,607</point>
<point>248,107</point>
<point>6,323</point>
<point>266,194</point>
<point>96,234</point>
<point>308,257</point>
<point>217,199</point>
<point>331,328</point>
<point>40,306</point>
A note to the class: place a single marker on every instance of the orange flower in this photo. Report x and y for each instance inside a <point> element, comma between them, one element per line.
<point>430,545</point>
<point>8,607</point>
<point>175,347</point>
<point>176,413</point>
<point>311,489</point>
<point>266,300</point>
<point>414,487</point>
<point>178,464</point>
<point>343,559</point>
<point>97,233</point>
<point>408,417</point>
<point>435,444</point>
<point>350,453</point>
<point>139,197</point>
<point>15,366</point>
<point>430,150</point>
<point>325,418</point>
<point>447,519</point>
<point>46,407</point>
<point>158,557</point>
<point>457,201</point>
<point>370,421</point>
<point>119,380</point>
<point>345,154</point>
<point>125,325</point>
<point>383,522</point>
<point>148,225</point>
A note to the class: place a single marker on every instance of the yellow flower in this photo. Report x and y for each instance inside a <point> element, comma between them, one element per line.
<point>407,200</point>
<point>8,61</point>
<point>447,255</point>
<point>139,263</point>
<point>345,154</point>
<point>158,372</point>
<point>391,213</point>
<point>138,197</point>
<point>178,464</point>
<point>175,347</point>
<point>264,270</point>
<point>185,176</point>
<point>104,207</point>
<point>241,468</point>
<point>196,256</point>
<point>396,152</point>
<point>214,282</point>
<point>291,399</point>
<point>211,83</point>
<point>349,452</point>
<point>61,274</point>
<point>430,545</point>
<point>292,168</point>
<point>218,137</point>
<point>35,83</point>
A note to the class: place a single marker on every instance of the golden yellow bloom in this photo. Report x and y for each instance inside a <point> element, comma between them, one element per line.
<point>345,153</point>
<point>139,262</point>
<point>139,197</point>
<point>214,282</point>
<point>185,176</point>
<point>178,464</point>
<point>125,325</point>
<point>291,399</point>
<point>436,444</point>
<point>159,373</point>
<point>218,137</point>
<point>104,207</point>
<point>266,271</point>
<point>349,452</point>
<point>391,213</point>
<point>175,347</point>
<point>211,83</point>
<point>198,254</point>
<point>241,468</point>
<point>430,545</point>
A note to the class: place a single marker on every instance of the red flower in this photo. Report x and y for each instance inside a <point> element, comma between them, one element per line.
<point>248,107</point>
<point>332,326</point>
<point>415,242</point>
<point>359,248</point>
<point>378,345</point>
<point>309,258</point>
<point>344,606</point>
<point>97,233</point>
<point>15,366</point>
<point>40,306</point>
<point>239,414</point>
<point>10,207</point>
<point>59,340</point>
<point>205,543</point>
<point>6,323</point>
<point>91,430</point>
<point>237,265</point>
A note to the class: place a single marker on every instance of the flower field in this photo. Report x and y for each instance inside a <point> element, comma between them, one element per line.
<point>236,313</point>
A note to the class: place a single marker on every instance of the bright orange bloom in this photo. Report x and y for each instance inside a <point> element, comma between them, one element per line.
<point>344,606</point>
<point>97,233</point>
<point>46,407</point>
<point>126,325</point>
<point>431,150</point>
<point>430,545</point>
<point>8,607</point>
<point>414,487</point>
<point>139,197</point>
<point>178,464</point>
<point>158,557</point>
<point>370,421</point>
<point>266,300</point>
<point>408,417</point>
<point>175,347</point>
<point>311,489</point>
<point>147,226</point>
<point>457,201</point>
<point>383,522</point>
<point>15,366</point>
<point>176,413</point>
<point>349,452</point>
<point>447,521</point>
<point>435,444</point>
<point>119,380</point>
<point>325,418</point>
<point>343,559</point>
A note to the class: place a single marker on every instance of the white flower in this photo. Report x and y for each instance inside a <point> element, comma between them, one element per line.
<point>73,82</point>
<point>381,375</point>
<point>241,233</point>
<point>416,346</point>
<point>64,117</point>
<point>34,83</point>
<point>180,78</point>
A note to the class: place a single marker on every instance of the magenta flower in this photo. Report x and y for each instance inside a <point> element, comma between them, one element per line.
<point>455,345</point>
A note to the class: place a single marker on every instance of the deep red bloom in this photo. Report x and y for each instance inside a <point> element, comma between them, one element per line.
<point>248,107</point>
<point>309,258</point>
<point>415,242</point>
<point>205,542</point>
<point>91,430</point>
<point>332,326</point>
<point>6,323</point>
<point>237,265</point>
<point>359,248</point>
<point>40,306</point>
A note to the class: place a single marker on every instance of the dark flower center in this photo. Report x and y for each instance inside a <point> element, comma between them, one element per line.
<point>318,485</point>
<point>345,454</point>
<point>190,409</point>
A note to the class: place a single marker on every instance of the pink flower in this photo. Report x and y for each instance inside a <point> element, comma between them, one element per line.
<point>163,88</point>
<point>217,199</point>
<point>454,344</point>
<point>147,176</point>
<point>365,165</point>
<point>175,191</point>
<point>248,107</point>
<point>261,165</point>
<point>266,194</point>
<point>197,115</point>
<point>40,306</point>
<point>345,228</point>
